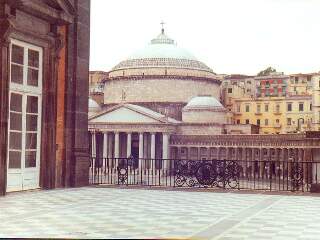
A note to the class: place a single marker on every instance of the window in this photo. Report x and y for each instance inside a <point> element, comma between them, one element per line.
<point>266,108</point>
<point>308,78</point>
<point>248,82</point>
<point>300,107</point>
<point>267,92</point>
<point>292,80</point>
<point>275,91</point>
<point>238,107</point>
<point>296,79</point>
<point>247,121</point>
<point>289,107</point>
<point>258,108</point>
<point>266,122</point>
<point>267,84</point>
<point>247,108</point>
<point>277,121</point>
<point>229,90</point>
<point>238,121</point>
<point>288,121</point>
<point>310,106</point>
<point>277,108</point>
<point>258,122</point>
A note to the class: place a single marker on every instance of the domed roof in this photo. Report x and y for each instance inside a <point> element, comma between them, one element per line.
<point>204,102</point>
<point>162,52</point>
<point>93,105</point>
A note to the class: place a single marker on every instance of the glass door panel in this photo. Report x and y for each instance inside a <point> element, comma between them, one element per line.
<point>33,68</point>
<point>15,130</point>
<point>31,141</point>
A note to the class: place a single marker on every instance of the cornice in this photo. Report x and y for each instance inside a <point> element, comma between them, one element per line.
<point>164,77</point>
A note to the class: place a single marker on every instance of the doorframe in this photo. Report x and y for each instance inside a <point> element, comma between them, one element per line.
<point>26,90</point>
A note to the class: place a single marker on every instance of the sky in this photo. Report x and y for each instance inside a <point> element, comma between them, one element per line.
<point>229,36</point>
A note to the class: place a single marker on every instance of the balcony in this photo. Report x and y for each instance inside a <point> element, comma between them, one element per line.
<point>258,113</point>
<point>277,125</point>
<point>277,112</point>
<point>291,129</point>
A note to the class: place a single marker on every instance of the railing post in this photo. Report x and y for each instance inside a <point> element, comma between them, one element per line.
<point>224,173</point>
<point>270,174</point>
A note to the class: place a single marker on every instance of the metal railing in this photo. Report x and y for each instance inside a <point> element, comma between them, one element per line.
<point>225,174</point>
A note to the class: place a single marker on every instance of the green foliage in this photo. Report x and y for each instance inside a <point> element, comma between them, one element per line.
<point>267,71</point>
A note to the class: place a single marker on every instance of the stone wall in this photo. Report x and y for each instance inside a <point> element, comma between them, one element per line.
<point>199,129</point>
<point>241,129</point>
<point>204,116</point>
<point>157,90</point>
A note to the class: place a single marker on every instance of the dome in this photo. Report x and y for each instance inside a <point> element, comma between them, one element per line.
<point>204,109</point>
<point>204,102</point>
<point>162,52</point>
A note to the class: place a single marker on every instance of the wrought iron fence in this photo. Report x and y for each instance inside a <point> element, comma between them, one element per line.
<point>225,174</point>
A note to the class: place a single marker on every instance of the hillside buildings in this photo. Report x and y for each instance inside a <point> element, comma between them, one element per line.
<point>279,104</point>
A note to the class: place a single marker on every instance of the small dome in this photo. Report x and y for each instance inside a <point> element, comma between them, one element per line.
<point>204,109</point>
<point>204,102</point>
<point>93,105</point>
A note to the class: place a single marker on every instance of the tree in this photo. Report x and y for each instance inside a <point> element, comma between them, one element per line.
<point>267,71</point>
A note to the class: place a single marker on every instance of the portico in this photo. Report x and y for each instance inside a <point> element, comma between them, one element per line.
<point>128,131</point>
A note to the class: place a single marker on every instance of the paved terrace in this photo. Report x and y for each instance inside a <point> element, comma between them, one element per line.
<point>137,213</point>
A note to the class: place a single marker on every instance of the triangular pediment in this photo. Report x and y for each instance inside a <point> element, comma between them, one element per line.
<point>123,115</point>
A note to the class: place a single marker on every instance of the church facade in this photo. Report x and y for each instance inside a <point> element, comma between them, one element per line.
<point>44,76</point>
<point>162,103</point>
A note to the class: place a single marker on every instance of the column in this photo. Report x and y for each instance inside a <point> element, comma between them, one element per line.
<point>281,160</point>
<point>116,145</point>
<point>165,149</point>
<point>267,165</point>
<point>105,161</point>
<point>290,160</point>
<point>140,150</point>
<point>251,165</point>
<point>284,163</point>
<point>153,151</point>
<point>129,144</point>
<point>105,144</point>
<point>261,165</point>
<point>145,150</point>
<point>93,144</point>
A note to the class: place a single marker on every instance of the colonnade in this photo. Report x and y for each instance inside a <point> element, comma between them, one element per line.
<point>240,153</point>
<point>147,144</point>
<point>252,160</point>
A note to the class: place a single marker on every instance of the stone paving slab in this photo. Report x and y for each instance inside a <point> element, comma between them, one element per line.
<point>136,213</point>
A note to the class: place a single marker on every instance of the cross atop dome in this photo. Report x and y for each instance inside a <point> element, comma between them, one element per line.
<point>162,38</point>
<point>162,28</point>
